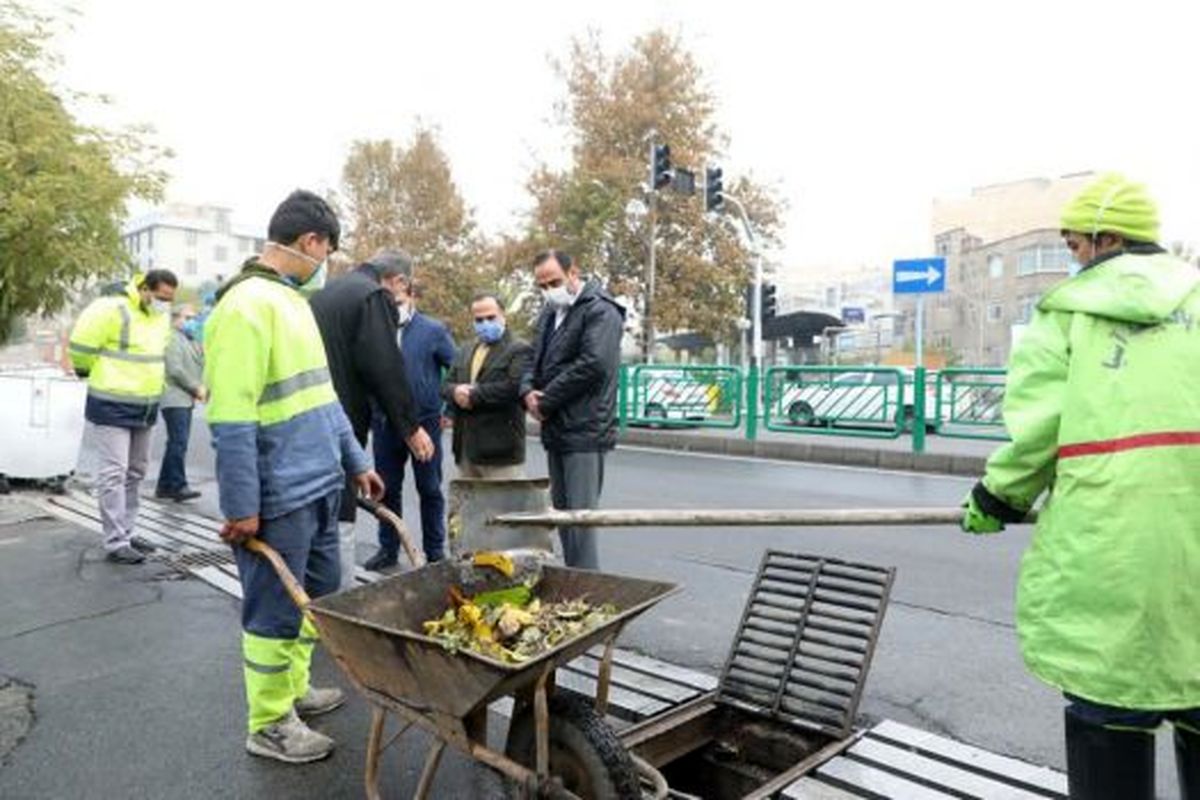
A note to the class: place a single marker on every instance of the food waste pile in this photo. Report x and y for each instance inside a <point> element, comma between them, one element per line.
<point>513,625</point>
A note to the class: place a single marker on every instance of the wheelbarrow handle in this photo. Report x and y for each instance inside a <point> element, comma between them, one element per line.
<point>385,514</point>
<point>294,589</point>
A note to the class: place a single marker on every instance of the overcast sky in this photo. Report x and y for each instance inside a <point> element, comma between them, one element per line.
<point>858,113</point>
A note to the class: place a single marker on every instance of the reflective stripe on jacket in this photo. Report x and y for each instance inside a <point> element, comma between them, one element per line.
<point>280,434</point>
<point>119,346</point>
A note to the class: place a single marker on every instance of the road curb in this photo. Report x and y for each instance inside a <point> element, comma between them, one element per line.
<point>811,452</point>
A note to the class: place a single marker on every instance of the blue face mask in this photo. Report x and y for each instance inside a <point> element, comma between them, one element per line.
<point>489,331</point>
<point>191,329</point>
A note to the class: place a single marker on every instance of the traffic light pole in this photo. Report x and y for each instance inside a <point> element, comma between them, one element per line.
<point>648,310</point>
<point>756,354</point>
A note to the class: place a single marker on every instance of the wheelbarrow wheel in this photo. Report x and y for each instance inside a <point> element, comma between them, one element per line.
<point>585,753</point>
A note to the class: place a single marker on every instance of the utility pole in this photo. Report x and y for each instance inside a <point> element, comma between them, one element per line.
<point>660,177</point>
<point>756,321</point>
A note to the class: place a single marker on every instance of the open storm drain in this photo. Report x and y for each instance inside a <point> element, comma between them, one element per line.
<point>806,639</point>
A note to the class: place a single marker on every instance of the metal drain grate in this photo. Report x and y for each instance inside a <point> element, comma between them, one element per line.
<point>804,646</point>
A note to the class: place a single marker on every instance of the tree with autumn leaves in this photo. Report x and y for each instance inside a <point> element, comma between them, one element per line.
<point>596,208</point>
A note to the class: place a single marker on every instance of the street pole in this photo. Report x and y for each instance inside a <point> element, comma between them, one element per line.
<point>648,306</point>
<point>756,356</point>
<point>920,330</point>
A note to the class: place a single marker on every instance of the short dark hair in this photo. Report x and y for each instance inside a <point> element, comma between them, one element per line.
<point>495,298</point>
<point>304,212</point>
<point>390,263</point>
<point>157,277</point>
<point>561,256</point>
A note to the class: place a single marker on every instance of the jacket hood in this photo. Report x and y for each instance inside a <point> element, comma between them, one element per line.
<point>592,291</point>
<point>252,268</point>
<point>1142,289</point>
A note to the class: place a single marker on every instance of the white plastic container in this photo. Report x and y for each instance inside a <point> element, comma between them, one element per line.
<point>41,423</point>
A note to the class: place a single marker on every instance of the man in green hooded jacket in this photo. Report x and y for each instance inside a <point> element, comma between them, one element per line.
<point>1103,406</point>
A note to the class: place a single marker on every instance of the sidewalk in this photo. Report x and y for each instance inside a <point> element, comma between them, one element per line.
<point>135,682</point>
<point>943,455</point>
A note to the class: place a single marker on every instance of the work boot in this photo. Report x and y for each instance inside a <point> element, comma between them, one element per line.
<point>320,701</point>
<point>124,555</point>
<point>141,545</point>
<point>1187,762</point>
<point>289,740</point>
<point>382,560</point>
<point>1106,764</point>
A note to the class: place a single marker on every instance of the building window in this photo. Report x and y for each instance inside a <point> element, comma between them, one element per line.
<point>1025,307</point>
<point>190,267</point>
<point>995,312</point>
<point>220,254</point>
<point>1043,258</point>
<point>243,245</point>
<point>150,239</point>
<point>190,238</point>
<point>996,266</point>
<point>260,245</point>
<point>222,222</point>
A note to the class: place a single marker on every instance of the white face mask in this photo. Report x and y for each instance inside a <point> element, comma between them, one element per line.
<point>560,296</point>
<point>405,311</point>
<point>316,281</point>
<point>160,306</point>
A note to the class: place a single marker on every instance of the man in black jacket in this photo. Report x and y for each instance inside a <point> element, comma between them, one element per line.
<point>482,392</point>
<point>357,317</point>
<point>571,389</point>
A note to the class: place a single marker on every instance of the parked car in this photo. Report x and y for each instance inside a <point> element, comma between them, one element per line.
<point>864,398</point>
<point>676,396</point>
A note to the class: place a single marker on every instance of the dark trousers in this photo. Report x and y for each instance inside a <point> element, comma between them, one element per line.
<point>307,539</point>
<point>391,455</point>
<point>1129,719</point>
<point>172,475</point>
<point>576,480</point>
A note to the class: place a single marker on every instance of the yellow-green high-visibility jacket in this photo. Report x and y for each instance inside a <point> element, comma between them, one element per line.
<point>120,347</point>
<point>279,432</point>
<point>1103,406</point>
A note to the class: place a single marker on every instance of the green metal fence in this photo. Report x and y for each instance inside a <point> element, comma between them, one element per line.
<point>843,401</point>
<point>969,403</point>
<point>667,395</point>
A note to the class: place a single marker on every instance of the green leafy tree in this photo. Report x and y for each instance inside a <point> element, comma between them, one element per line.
<point>405,197</point>
<point>597,208</point>
<point>63,184</point>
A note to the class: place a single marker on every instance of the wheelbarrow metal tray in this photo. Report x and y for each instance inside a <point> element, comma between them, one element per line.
<point>374,633</point>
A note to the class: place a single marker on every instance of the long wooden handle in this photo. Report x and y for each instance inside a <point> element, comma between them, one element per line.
<point>627,518</point>
<point>294,589</point>
<point>385,514</point>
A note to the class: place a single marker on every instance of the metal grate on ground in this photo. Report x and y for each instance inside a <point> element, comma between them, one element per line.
<point>806,639</point>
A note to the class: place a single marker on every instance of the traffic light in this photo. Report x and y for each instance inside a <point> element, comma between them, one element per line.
<point>660,165</point>
<point>714,189</point>
<point>768,301</point>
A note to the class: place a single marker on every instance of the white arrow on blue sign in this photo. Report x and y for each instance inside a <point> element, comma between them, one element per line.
<point>919,276</point>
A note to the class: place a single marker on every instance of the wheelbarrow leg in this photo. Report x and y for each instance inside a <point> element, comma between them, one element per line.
<point>541,722</point>
<point>431,765</point>
<point>374,750</point>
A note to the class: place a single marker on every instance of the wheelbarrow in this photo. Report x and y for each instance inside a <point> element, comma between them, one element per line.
<point>374,634</point>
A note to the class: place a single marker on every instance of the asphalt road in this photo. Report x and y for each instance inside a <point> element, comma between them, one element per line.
<point>948,659</point>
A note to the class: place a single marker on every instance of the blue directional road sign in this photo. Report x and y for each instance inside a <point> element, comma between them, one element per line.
<point>919,276</point>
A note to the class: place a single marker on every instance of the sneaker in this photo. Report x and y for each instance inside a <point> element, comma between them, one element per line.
<point>186,493</point>
<point>125,555</point>
<point>289,740</point>
<point>381,560</point>
<point>141,545</point>
<point>320,701</point>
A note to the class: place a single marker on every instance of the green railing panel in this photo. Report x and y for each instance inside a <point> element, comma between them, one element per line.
<point>839,401</point>
<point>669,395</point>
<point>970,402</point>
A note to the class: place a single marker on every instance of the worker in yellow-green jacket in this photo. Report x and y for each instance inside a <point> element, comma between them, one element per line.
<point>1103,407</point>
<point>284,447</point>
<point>119,344</point>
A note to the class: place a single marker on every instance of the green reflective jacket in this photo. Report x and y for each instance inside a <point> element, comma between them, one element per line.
<point>1103,406</point>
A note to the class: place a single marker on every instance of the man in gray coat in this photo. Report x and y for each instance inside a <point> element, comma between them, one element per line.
<point>571,389</point>
<point>184,386</point>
